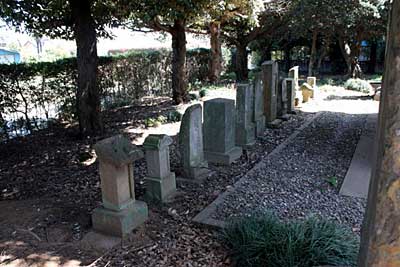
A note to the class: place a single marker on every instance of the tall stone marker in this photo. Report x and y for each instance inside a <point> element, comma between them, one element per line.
<point>245,129</point>
<point>270,82</point>
<point>294,74</point>
<point>312,81</point>
<point>291,95</point>
<point>282,99</point>
<point>191,143</point>
<point>219,131</point>
<point>258,114</point>
<point>160,181</point>
<point>120,213</point>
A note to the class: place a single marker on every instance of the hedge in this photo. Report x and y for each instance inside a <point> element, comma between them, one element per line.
<point>47,89</point>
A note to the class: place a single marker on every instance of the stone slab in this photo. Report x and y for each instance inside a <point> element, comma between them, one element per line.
<point>205,216</point>
<point>119,223</point>
<point>224,158</point>
<point>356,182</point>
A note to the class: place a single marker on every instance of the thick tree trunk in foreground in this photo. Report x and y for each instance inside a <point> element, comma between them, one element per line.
<point>380,243</point>
<point>313,54</point>
<point>241,63</point>
<point>179,83</point>
<point>87,97</point>
<point>216,53</point>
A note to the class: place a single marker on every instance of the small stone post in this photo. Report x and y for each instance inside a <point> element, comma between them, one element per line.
<point>294,74</point>
<point>307,92</point>
<point>120,213</point>
<point>283,99</point>
<point>258,114</point>
<point>160,181</point>
<point>270,82</point>
<point>312,81</point>
<point>245,129</point>
<point>219,131</point>
<point>191,143</point>
<point>291,95</point>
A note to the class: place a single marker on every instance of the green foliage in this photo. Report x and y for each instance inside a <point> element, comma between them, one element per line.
<point>333,181</point>
<point>359,85</point>
<point>265,241</point>
<point>174,116</point>
<point>47,89</point>
<point>193,96</point>
<point>203,92</point>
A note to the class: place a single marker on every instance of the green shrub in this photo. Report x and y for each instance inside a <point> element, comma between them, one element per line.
<point>203,92</point>
<point>359,85</point>
<point>265,241</point>
<point>193,96</point>
<point>174,116</point>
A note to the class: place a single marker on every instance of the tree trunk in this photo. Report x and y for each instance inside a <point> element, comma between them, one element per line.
<point>288,61</point>
<point>216,52</point>
<point>324,53</point>
<point>88,96</point>
<point>313,54</point>
<point>380,242</point>
<point>372,57</point>
<point>345,49</point>
<point>241,63</point>
<point>179,83</point>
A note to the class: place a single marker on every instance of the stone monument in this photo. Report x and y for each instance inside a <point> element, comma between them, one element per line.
<point>191,143</point>
<point>258,106</point>
<point>160,181</point>
<point>291,95</point>
<point>307,92</point>
<point>270,82</point>
<point>283,100</point>
<point>245,129</point>
<point>294,74</point>
<point>219,131</point>
<point>120,213</point>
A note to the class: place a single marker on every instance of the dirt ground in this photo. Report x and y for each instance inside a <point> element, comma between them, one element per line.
<point>49,184</point>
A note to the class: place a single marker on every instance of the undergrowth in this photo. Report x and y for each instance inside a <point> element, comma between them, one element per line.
<point>266,241</point>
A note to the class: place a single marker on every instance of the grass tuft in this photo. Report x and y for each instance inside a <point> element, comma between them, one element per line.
<point>266,241</point>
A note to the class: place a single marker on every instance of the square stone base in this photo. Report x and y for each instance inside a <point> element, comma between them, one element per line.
<point>119,223</point>
<point>224,158</point>
<point>159,189</point>
<point>260,126</point>
<point>245,137</point>
<point>197,173</point>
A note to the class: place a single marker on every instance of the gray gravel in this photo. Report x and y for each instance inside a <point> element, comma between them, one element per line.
<point>294,183</point>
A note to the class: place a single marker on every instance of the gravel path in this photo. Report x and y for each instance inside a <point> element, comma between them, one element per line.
<point>295,182</point>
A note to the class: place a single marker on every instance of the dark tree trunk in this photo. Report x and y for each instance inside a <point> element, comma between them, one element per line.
<point>287,59</point>
<point>241,62</point>
<point>216,52</point>
<point>179,83</point>
<point>345,49</point>
<point>372,57</point>
<point>313,54</point>
<point>266,55</point>
<point>380,242</point>
<point>88,96</point>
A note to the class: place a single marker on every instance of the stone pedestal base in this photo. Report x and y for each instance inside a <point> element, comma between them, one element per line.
<point>197,173</point>
<point>158,189</point>
<point>260,126</point>
<point>223,158</point>
<point>245,137</point>
<point>119,223</point>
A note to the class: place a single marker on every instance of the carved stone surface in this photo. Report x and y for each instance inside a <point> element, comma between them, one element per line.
<point>245,129</point>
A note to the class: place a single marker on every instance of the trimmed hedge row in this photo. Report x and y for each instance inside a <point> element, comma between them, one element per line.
<point>47,89</point>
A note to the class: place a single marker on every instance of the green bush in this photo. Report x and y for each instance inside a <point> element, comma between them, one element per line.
<point>174,116</point>
<point>48,88</point>
<point>359,85</point>
<point>203,92</point>
<point>265,241</point>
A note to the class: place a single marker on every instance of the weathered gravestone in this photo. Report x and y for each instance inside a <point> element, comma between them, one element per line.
<point>245,129</point>
<point>219,131</point>
<point>307,92</point>
<point>160,181</point>
<point>282,100</point>
<point>291,95</point>
<point>120,212</point>
<point>294,74</point>
<point>312,81</point>
<point>270,82</point>
<point>191,143</point>
<point>258,105</point>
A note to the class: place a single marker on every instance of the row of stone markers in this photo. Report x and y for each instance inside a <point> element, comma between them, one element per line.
<point>217,136</point>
